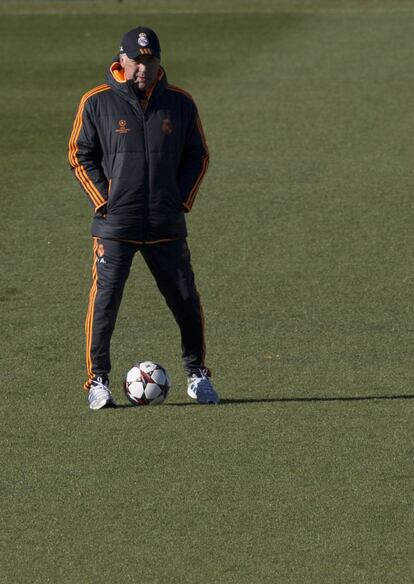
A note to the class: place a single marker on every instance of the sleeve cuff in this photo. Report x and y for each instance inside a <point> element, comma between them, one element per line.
<point>99,207</point>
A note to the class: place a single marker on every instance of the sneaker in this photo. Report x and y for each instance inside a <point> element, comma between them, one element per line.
<point>201,388</point>
<point>99,395</point>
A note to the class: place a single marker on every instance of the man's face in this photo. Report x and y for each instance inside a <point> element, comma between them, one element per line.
<point>143,70</point>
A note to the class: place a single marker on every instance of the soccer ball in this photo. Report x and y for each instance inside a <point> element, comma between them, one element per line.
<point>147,383</point>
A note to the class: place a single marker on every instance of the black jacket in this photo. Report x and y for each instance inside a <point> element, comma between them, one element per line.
<point>140,169</point>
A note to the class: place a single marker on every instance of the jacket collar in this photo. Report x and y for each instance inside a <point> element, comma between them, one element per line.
<point>116,79</point>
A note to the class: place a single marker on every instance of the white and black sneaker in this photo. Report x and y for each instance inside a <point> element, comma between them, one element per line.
<point>99,395</point>
<point>201,389</point>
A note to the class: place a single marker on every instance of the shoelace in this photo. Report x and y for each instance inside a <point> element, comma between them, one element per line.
<point>203,374</point>
<point>99,386</point>
<point>202,384</point>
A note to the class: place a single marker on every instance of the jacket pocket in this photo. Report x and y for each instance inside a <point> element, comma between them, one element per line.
<point>124,196</point>
<point>170,197</point>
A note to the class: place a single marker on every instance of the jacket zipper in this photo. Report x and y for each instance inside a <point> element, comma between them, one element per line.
<point>147,160</point>
<point>144,117</point>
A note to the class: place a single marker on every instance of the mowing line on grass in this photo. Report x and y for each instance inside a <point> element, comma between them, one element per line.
<point>218,12</point>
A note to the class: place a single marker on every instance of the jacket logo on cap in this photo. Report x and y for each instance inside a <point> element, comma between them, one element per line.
<point>143,39</point>
<point>122,127</point>
<point>167,126</point>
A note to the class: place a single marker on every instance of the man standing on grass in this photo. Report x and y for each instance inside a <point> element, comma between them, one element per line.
<point>138,150</point>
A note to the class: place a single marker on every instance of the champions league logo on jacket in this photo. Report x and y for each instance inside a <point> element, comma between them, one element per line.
<point>122,127</point>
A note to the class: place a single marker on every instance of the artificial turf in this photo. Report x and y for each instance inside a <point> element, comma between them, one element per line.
<point>302,242</point>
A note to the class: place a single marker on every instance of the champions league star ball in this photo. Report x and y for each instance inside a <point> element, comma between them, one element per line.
<point>146,384</point>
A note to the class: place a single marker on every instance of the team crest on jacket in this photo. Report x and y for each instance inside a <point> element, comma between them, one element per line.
<point>167,126</point>
<point>143,39</point>
<point>122,127</point>
<point>100,252</point>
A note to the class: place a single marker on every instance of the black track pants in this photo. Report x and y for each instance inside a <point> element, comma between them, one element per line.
<point>170,264</point>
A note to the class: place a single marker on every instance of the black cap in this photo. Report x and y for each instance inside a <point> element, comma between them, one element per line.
<point>140,41</point>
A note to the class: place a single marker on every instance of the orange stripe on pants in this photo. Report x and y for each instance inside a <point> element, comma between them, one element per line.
<point>89,317</point>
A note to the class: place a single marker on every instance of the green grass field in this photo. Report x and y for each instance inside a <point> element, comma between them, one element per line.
<point>302,241</point>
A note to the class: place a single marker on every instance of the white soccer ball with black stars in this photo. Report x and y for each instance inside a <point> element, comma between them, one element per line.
<point>147,384</point>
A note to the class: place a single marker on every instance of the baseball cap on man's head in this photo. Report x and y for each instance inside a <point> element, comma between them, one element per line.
<point>140,41</point>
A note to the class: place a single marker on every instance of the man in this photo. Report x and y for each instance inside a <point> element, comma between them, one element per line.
<point>138,150</point>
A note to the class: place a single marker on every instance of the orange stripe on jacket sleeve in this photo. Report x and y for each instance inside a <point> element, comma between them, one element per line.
<point>205,160</point>
<point>78,122</point>
<point>80,170</point>
<point>190,199</point>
